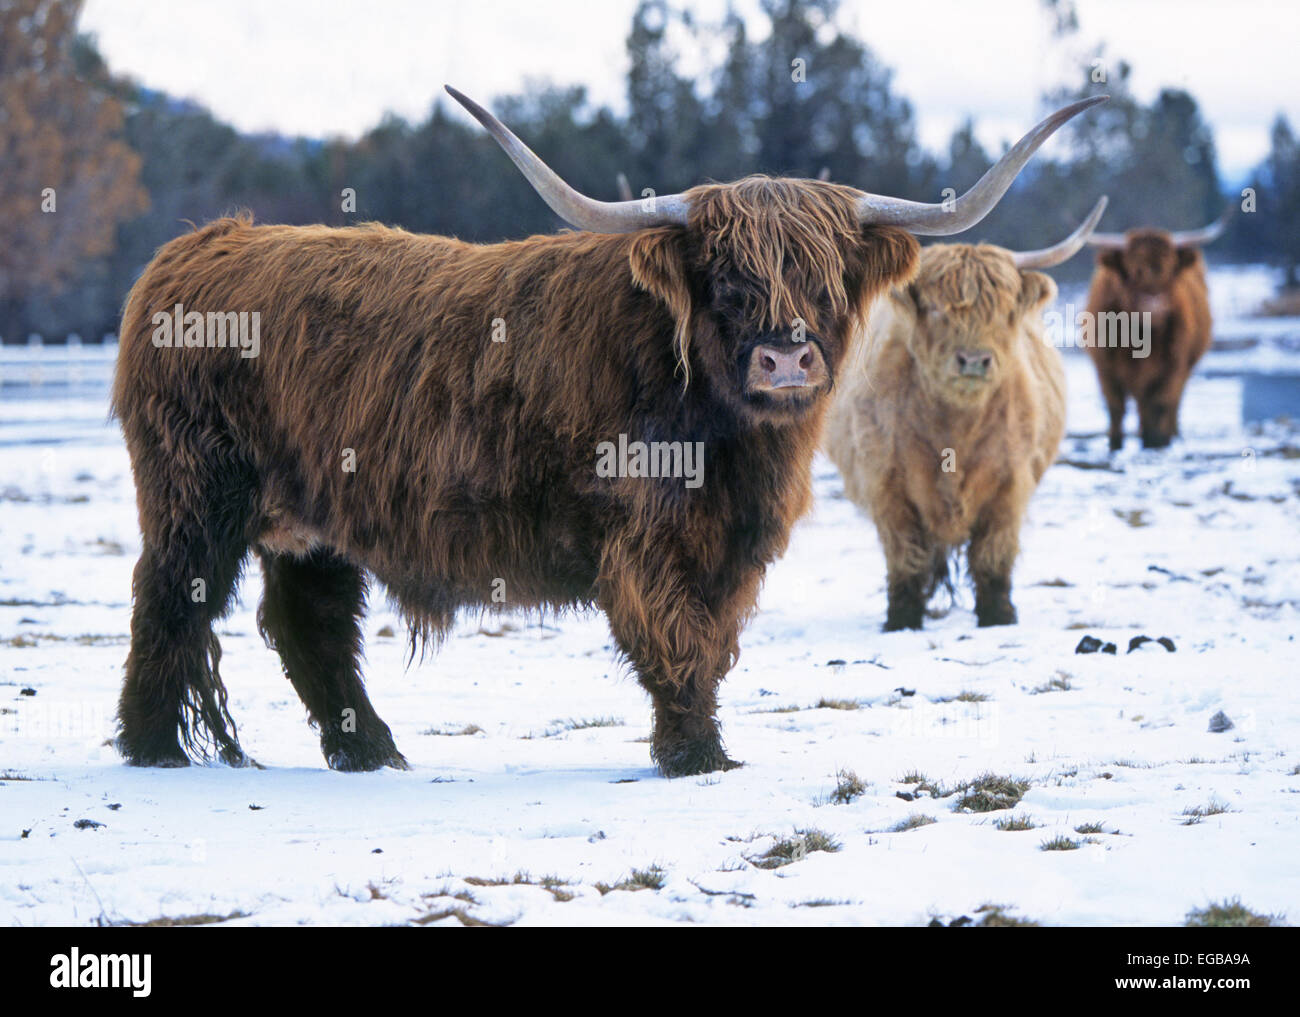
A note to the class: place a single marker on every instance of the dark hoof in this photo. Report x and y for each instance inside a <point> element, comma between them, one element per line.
<point>371,747</point>
<point>169,756</point>
<point>350,754</point>
<point>167,760</point>
<point>1000,617</point>
<point>346,763</point>
<point>905,608</point>
<point>688,759</point>
<point>233,755</point>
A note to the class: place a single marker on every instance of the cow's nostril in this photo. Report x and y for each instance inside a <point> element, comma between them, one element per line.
<point>973,363</point>
<point>769,363</point>
<point>806,360</point>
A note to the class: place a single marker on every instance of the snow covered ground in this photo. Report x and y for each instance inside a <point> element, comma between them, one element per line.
<point>552,800</point>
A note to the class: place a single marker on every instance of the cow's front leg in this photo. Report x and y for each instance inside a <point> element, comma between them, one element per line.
<point>681,650</point>
<point>906,606</point>
<point>1113,393</point>
<point>686,737</point>
<point>910,559</point>
<point>1158,410</point>
<point>995,542</point>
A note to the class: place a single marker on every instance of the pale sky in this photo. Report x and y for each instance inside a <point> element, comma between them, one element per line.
<point>333,67</point>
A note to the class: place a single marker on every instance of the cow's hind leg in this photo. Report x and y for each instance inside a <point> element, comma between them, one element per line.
<point>311,614</point>
<point>194,544</point>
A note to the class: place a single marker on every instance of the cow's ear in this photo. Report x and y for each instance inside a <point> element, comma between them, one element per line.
<point>906,298</point>
<point>658,262</point>
<point>1036,289</point>
<point>1187,257</point>
<point>1113,260</point>
<point>887,256</point>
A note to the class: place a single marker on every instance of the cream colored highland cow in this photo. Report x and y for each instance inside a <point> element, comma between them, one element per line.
<point>947,416</point>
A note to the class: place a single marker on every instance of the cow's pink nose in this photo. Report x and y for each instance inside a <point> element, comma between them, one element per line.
<point>786,368</point>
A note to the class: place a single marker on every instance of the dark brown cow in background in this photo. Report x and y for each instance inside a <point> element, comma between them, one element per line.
<point>432,413</point>
<point>1161,274</point>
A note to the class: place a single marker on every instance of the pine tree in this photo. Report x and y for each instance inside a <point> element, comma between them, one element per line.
<point>69,177</point>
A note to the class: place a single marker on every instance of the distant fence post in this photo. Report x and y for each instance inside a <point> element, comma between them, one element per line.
<point>35,344</point>
<point>74,357</point>
<point>45,369</point>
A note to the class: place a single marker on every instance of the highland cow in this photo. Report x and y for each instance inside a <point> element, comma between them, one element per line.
<point>429,412</point>
<point>1161,276</point>
<point>949,412</point>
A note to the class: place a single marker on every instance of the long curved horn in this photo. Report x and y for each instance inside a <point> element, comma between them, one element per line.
<point>1047,257</point>
<point>1108,241</point>
<point>1179,238</point>
<point>570,205</point>
<point>1206,234</point>
<point>947,218</point>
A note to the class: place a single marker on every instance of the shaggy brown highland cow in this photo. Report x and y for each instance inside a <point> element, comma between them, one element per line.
<point>429,412</point>
<point>1161,273</point>
<point>949,413</point>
